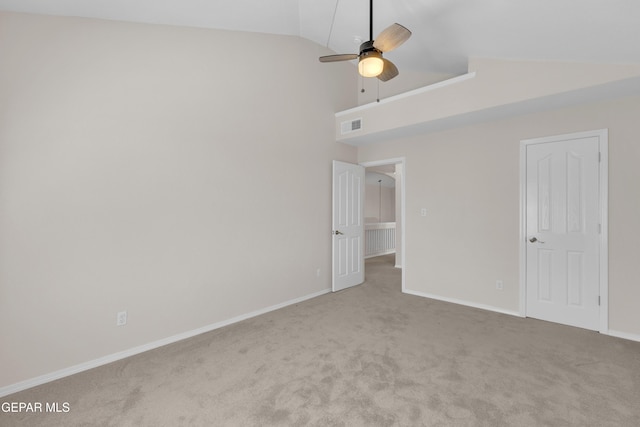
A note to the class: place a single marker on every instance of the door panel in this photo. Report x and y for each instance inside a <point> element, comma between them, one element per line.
<point>562,225</point>
<point>348,226</point>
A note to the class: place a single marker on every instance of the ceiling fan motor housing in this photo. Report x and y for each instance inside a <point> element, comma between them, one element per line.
<point>368,47</point>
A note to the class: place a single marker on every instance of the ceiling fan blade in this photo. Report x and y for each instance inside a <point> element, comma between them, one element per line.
<point>389,71</point>
<point>391,37</point>
<point>336,58</point>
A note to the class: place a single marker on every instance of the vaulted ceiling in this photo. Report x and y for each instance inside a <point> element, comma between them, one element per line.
<point>445,32</point>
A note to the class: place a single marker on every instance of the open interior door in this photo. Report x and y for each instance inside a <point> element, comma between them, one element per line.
<point>348,225</point>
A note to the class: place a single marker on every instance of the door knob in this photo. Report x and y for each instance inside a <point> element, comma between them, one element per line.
<point>535,239</point>
<point>337,232</point>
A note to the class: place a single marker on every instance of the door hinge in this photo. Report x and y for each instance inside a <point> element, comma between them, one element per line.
<point>599,228</point>
<point>598,300</point>
<point>599,156</point>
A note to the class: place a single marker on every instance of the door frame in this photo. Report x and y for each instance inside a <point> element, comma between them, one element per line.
<point>603,141</point>
<point>403,189</point>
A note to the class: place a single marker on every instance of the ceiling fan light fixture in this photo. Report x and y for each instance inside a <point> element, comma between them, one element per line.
<point>370,64</point>
<point>370,61</point>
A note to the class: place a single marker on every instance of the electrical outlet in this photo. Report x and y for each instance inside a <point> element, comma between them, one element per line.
<point>423,212</point>
<point>499,285</point>
<point>121,318</point>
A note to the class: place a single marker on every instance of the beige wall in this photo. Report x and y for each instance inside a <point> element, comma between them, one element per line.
<point>407,80</point>
<point>468,179</point>
<point>183,175</point>
<point>492,85</point>
<point>380,203</point>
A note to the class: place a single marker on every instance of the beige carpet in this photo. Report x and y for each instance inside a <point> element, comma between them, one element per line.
<point>367,356</point>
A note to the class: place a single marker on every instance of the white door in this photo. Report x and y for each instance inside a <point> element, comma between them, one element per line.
<point>348,227</point>
<point>563,230</point>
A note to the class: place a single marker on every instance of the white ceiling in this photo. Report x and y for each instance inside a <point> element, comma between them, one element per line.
<point>445,32</point>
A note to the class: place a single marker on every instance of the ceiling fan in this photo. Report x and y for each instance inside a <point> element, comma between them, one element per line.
<point>370,60</point>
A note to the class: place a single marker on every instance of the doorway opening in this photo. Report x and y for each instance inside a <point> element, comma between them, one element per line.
<point>384,212</point>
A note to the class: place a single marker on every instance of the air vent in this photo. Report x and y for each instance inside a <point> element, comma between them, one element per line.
<point>350,126</point>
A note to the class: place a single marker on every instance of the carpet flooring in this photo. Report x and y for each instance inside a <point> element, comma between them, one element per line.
<point>366,356</point>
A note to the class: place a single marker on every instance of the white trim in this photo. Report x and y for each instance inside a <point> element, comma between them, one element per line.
<point>408,94</point>
<point>624,335</point>
<point>522,306</point>
<point>403,210</point>
<point>604,229</point>
<point>465,303</point>
<point>603,141</point>
<point>33,382</point>
<point>389,252</point>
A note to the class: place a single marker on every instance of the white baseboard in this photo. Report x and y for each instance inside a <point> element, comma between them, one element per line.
<point>389,252</point>
<point>624,335</point>
<point>466,303</point>
<point>33,382</point>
